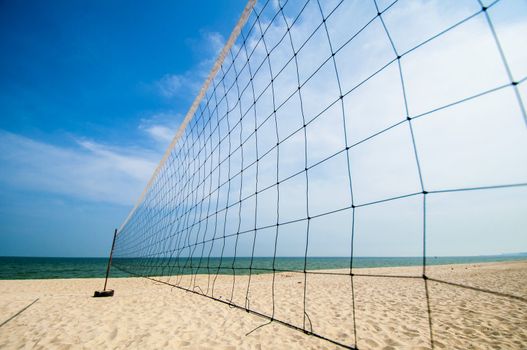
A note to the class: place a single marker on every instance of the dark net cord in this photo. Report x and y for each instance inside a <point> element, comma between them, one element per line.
<point>197,202</point>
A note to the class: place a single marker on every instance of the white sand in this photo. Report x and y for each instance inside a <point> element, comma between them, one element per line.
<point>391,313</point>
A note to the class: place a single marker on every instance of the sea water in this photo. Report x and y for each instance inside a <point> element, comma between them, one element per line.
<point>45,268</point>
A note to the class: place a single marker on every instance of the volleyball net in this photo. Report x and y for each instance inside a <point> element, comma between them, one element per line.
<point>332,141</point>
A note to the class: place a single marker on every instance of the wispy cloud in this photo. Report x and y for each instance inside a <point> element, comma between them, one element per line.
<point>170,85</point>
<point>214,42</point>
<point>160,133</point>
<point>161,127</point>
<point>88,170</point>
<point>187,84</point>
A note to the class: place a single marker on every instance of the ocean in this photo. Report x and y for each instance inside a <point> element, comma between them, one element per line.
<point>46,268</point>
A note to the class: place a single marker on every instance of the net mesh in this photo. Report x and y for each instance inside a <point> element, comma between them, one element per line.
<point>337,136</point>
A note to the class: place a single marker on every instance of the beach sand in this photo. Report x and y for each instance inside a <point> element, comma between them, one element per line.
<point>391,313</point>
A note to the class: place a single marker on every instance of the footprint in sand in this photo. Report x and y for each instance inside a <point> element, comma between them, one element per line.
<point>113,334</point>
<point>371,342</point>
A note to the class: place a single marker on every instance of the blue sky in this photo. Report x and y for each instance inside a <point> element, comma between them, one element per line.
<point>88,89</point>
<point>92,93</point>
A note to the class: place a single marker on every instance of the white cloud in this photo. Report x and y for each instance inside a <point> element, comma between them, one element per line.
<point>170,84</point>
<point>161,127</point>
<point>91,171</point>
<point>187,84</point>
<point>180,87</point>
<point>160,133</point>
<point>215,42</point>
